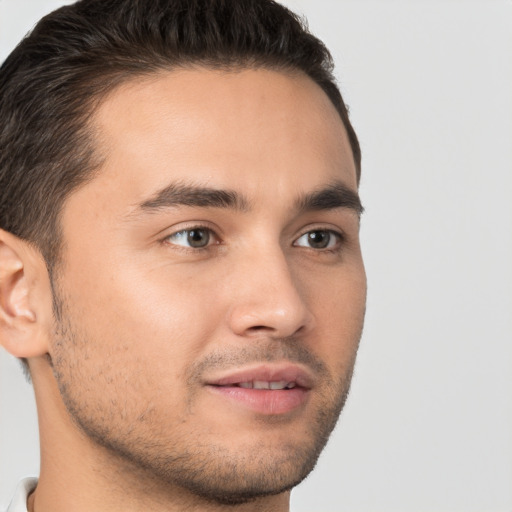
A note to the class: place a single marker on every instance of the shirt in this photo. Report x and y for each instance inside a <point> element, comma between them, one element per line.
<point>19,501</point>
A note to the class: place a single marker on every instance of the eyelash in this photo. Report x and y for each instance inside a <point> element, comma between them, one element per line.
<point>338,235</point>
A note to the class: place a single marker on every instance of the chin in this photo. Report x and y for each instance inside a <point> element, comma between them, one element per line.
<point>234,482</point>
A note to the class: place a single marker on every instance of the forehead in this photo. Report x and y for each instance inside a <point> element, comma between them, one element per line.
<point>233,129</point>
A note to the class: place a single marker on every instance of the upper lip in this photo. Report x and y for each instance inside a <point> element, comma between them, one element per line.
<point>287,372</point>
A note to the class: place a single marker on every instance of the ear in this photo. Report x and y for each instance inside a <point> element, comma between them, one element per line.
<point>25,298</point>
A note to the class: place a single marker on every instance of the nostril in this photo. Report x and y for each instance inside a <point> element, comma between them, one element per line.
<point>265,329</point>
<point>256,328</point>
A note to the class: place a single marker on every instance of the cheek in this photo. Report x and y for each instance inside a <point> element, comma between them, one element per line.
<point>160,319</point>
<point>338,296</point>
<point>339,305</point>
<point>126,342</point>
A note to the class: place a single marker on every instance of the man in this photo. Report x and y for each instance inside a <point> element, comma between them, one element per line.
<point>180,268</point>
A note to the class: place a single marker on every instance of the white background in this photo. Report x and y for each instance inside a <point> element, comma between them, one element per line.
<point>428,426</point>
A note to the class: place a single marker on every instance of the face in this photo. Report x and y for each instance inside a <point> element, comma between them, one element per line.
<point>212,291</point>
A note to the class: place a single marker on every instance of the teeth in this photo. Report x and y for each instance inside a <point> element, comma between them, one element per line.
<point>278,385</point>
<point>262,384</point>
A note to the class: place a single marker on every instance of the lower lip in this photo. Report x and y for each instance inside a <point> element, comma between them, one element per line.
<point>264,401</point>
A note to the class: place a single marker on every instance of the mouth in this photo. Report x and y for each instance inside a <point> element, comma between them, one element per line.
<point>264,389</point>
<point>261,384</point>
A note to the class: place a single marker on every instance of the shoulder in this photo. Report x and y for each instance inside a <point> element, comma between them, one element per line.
<point>19,500</point>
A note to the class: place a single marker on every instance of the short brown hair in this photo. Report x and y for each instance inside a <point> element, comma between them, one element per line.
<point>52,82</point>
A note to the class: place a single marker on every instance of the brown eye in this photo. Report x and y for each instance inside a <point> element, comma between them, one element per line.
<point>319,239</point>
<point>196,238</point>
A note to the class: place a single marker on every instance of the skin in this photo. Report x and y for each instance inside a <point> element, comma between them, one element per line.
<point>145,321</point>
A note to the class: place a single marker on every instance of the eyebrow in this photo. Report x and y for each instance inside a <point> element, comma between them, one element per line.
<point>196,196</point>
<point>333,196</point>
<point>336,195</point>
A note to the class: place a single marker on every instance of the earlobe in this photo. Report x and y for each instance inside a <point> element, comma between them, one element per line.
<point>22,315</point>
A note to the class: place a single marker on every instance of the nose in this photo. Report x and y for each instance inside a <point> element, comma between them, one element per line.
<point>268,298</point>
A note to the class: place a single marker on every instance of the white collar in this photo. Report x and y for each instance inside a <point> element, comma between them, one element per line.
<point>19,501</point>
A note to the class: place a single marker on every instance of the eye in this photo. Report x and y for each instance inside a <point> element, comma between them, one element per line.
<point>319,239</point>
<point>195,238</point>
